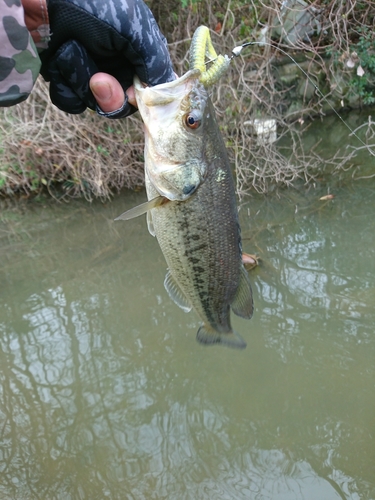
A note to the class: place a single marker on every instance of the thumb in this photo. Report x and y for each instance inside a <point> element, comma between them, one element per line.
<point>107,91</point>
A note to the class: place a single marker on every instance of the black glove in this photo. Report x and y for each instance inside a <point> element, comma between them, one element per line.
<point>119,37</point>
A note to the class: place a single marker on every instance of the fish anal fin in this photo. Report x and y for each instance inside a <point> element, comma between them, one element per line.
<point>242,304</point>
<point>209,336</point>
<point>175,292</point>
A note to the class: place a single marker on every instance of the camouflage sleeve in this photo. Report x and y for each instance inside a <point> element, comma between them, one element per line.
<point>19,61</point>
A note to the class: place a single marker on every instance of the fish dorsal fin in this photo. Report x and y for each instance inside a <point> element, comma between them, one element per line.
<point>242,304</point>
<point>143,208</point>
<point>175,292</point>
<point>150,223</point>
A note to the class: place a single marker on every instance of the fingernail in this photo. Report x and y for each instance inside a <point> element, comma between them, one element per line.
<point>101,90</point>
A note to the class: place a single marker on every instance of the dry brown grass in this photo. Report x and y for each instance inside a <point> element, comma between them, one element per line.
<point>83,154</point>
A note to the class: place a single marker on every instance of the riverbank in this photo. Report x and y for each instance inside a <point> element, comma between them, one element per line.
<point>67,156</point>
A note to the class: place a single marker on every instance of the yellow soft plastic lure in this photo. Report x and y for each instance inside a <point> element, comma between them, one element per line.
<point>200,48</point>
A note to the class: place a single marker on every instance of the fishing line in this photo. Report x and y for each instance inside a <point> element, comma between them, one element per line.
<point>237,51</point>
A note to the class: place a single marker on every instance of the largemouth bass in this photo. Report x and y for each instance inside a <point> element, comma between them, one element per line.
<point>192,209</point>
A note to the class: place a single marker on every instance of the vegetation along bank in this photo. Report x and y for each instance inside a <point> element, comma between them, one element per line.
<point>265,102</point>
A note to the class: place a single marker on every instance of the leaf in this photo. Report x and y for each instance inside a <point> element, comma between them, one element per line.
<point>360,71</point>
<point>350,63</point>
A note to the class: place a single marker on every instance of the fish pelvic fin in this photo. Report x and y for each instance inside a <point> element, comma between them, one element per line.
<point>150,223</point>
<point>242,304</point>
<point>208,336</point>
<point>143,208</point>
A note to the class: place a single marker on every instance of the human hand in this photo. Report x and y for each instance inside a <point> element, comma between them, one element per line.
<point>109,94</point>
<point>116,37</point>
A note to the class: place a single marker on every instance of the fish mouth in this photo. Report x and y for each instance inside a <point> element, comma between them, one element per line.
<point>164,93</point>
<point>192,74</point>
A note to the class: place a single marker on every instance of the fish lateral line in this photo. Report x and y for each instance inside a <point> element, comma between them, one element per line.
<point>237,51</point>
<point>143,208</point>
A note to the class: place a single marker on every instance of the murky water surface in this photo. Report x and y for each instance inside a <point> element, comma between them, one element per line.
<point>106,394</point>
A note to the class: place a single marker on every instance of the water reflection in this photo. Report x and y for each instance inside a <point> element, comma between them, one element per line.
<point>106,394</point>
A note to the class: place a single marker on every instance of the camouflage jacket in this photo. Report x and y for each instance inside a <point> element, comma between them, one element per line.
<point>19,60</point>
<point>124,27</point>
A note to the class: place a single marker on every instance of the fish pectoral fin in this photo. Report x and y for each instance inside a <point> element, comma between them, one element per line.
<point>209,336</point>
<point>175,292</point>
<point>242,304</point>
<point>143,208</point>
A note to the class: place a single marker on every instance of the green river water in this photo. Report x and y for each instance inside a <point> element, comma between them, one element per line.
<point>105,392</point>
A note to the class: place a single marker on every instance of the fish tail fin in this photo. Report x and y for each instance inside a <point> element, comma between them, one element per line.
<point>209,336</point>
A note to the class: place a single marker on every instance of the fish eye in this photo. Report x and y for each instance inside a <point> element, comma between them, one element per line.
<point>192,120</point>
